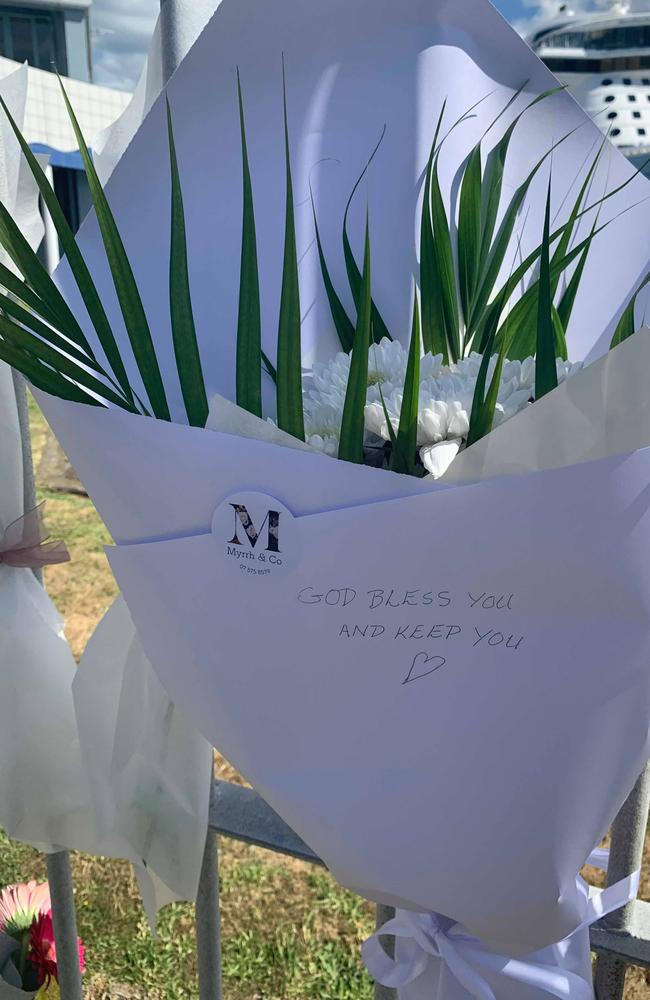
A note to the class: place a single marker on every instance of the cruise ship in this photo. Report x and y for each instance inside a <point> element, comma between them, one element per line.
<point>603,57</point>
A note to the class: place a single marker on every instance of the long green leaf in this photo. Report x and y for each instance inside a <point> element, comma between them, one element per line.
<point>565,239</point>
<point>29,320</point>
<point>484,405</point>
<point>25,294</point>
<point>22,339</point>
<point>379,328</point>
<point>626,325</point>
<point>523,317</point>
<point>126,288</point>
<point>289,371</point>
<point>568,298</point>
<point>269,367</point>
<point>545,366</point>
<point>433,322</point>
<point>340,318</point>
<point>561,350</point>
<point>501,242</point>
<point>405,449</point>
<point>42,377</point>
<point>494,171</point>
<point>469,230</point>
<point>78,266</point>
<point>36,275</point>
<point>445,269</point>
<point>353,420</point>
<point>249,321</point>
<point>186,348</point>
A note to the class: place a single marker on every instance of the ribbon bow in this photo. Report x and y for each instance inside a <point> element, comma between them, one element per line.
<point>24,544</point>
<point>423,936</point>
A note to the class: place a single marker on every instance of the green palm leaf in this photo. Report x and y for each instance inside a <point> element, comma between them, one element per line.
<point>469,230</point>
<point>545,356</point>
<point>340,318</point>
<point>444,266</point>
<point>484,405</point>
<point>379,328</point>
<point>353,421</point>
<point>289,372</point>
<point>42,377</point>
<point>21,339</point>
<point>126,288</point>
<point>626,325</point>
<point>186,348</point>
<point>433,321</point>
<point>405,446</point>
<point>77,264</point>
<point>40,281</point>
<point>249,322</point>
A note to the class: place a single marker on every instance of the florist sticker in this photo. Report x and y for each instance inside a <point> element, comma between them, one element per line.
<point>256,534</point>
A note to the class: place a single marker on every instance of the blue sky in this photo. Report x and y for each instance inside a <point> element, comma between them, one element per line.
<point>121,30</point>
<point>511,8</point>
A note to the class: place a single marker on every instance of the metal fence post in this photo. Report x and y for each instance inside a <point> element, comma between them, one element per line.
<point>626,856</point>
<point>384,914</point>
<point>208,923</point>
<point>64,920</point>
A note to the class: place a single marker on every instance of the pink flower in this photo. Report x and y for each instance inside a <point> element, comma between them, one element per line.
<point>42,950</point>
<point>20,905</point>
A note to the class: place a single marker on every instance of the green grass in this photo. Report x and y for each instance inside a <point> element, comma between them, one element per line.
<point>289,932</point>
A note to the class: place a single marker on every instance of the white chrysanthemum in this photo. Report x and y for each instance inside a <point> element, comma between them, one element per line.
<point>325,386</point>
<point>323,426</point>
<point>565,369</point>
<point>445,407</point>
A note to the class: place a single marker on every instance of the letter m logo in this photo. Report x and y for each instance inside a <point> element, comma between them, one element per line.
<point>243,519</point>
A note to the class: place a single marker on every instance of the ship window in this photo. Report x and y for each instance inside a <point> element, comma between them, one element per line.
<point>636,114</point>
<point>627,81</point>
<point>624,37</point>
<point>646,81</point>
<point>607,82</point>
<point>631,97</point>
<point>612,115</point>
<point>616,131</point>
<point>609,64</point>
<point>609,99</point>
<point>641,131</point>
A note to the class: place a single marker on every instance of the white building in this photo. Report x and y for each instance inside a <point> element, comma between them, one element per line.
<point>48,35</point>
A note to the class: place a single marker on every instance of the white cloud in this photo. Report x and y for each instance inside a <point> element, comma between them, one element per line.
<point>121,31</point>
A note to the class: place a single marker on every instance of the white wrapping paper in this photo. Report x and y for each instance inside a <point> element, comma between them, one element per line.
<point>492,779</point>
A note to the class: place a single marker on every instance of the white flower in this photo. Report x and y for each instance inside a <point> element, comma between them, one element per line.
<point>323,426</point>
<point>324,388</point>
<point>446,394</point>
<point>436,458</point>
<point>565,369</point>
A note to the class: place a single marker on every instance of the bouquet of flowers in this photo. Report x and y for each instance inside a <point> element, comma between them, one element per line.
<point>27,946</point>
<point>433,520</point>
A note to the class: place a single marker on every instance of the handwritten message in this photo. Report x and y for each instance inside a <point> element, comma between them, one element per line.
<point>435,639</point>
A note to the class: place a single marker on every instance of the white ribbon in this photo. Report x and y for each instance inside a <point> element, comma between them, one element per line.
<point>428,935</point>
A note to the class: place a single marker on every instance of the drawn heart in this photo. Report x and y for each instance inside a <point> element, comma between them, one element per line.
<point>421,660</point>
